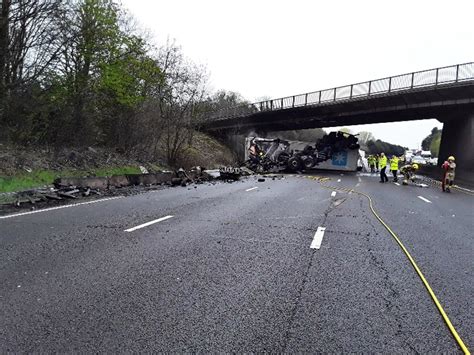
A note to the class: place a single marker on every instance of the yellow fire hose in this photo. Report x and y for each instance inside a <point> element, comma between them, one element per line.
<point>410,258</point>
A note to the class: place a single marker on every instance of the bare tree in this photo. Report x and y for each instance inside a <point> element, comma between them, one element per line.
<point>183,86</point>
<point>27,39</point>
<point>4,35</point>
<point>28,48</point>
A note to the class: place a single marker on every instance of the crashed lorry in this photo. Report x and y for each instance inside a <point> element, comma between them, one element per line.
<point>334,151</point>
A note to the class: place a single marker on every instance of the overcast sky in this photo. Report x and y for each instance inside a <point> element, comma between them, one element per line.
<point>274,48</point>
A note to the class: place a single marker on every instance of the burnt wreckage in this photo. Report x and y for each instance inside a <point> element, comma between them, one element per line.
<point>267,154</point>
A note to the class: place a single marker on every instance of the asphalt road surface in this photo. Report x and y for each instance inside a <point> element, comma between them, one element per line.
<point>230,268</point>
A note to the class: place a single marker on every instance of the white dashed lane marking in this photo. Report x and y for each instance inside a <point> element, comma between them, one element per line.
<point>424,199</point>
<point>148,223</point>
<point>318,238</point>
<point>252,188</point>
<point>338,180</point>
<point>333,193</point>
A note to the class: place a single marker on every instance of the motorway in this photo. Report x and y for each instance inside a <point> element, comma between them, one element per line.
<point>232,269</point>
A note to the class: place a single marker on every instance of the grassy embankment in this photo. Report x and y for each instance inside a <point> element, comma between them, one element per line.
<point>204,151</point>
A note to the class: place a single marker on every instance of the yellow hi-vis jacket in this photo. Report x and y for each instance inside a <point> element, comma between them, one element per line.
<point>394,163</point>
<point>383,162</point>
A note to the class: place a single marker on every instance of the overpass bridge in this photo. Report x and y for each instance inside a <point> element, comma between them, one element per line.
<point>445,93</point>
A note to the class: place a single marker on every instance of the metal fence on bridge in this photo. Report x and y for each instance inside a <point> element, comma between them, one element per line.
<point>426,78</point>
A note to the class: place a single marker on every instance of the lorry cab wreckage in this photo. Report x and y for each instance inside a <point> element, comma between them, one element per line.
<point>334,151</point>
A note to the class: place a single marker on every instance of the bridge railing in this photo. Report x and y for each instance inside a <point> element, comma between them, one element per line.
<point>426,78</point>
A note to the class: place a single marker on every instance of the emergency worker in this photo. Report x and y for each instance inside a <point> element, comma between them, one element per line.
<point>377,158</point>
<point>449,167</point>
<point>383,166</point>
<point>371,161</point>
<point>408,172</point>
<point>394,167</point>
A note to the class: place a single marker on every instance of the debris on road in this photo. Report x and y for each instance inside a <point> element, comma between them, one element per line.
<point>230,173</point>
<point>45,195</point>
<point>71,188</point>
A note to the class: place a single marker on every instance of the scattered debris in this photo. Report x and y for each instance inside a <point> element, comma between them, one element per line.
<point>176,181</point>
<point>261,180</point>
<point>230,173</point>
<point>212,174</point>
<point>68,194</point>
<point>76,187</point>
<point>143,169</point>
<point>44,195</point>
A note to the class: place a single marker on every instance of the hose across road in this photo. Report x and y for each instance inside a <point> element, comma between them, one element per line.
<point>441,310</point>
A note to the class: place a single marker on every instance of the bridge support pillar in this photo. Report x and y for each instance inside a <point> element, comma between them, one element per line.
<point>458,140</point>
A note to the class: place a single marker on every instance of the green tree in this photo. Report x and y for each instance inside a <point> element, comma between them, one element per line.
<point>126,82</point>
<point>434,146</point>
<point>426,143</point>
<point>379,146</point>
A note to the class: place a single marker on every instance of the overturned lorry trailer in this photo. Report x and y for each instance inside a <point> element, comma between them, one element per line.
<point>335,151</point>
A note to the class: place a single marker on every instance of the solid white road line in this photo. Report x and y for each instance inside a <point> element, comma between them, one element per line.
<point>60,207</point>
<point>318,238</point>
<point>148,223</point>
<point>424,199</point>
<point>333,193</point>
<point>252,188</point>
<point>396,183</point>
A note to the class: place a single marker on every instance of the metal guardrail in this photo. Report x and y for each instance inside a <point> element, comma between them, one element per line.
<point>426,78</point>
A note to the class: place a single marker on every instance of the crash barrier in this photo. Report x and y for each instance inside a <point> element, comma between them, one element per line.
<point>438,184</point>
<point>410,258</point>
<point>103,183</point>
<point>149,179</point>
<point>230,170</point>
<point>423,79</point>
<point>77,187</point>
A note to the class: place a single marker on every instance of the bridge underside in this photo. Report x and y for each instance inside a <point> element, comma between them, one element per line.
<point>443,103</point>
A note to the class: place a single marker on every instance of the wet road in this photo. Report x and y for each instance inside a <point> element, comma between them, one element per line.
<point>230,268</point>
